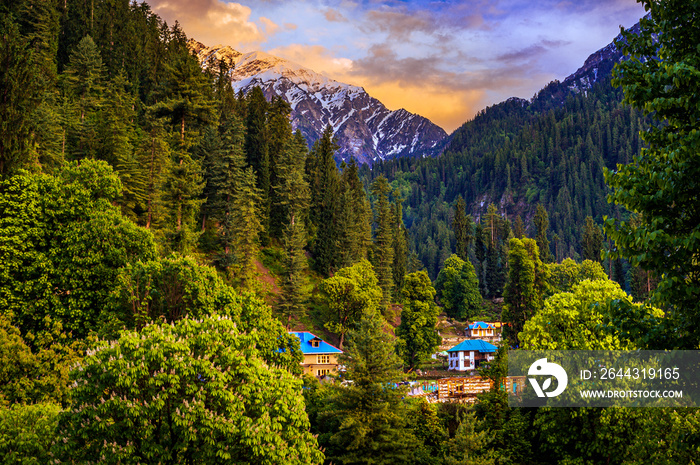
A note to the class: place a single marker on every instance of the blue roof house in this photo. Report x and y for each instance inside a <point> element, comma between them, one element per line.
<point>467,355</point>
<point>320,357</point>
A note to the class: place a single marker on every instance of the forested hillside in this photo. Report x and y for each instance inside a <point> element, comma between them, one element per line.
<point>518,154</point>
<point>160,235</point>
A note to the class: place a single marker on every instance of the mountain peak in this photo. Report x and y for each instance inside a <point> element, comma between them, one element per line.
<point>365,129</point>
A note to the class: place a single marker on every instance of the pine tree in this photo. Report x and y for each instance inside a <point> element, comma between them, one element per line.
<point>182,188</point>
<point>84,80</point>
<point>525,288</point>
<point>519,228</point>
<point>542,225</point>
<point>592,241</point>
<point>186,98</point>
<point>245,225</point>
<point>279,132</point>
<point>400,244</point>
<point>292,192</point>
<point>355,222</point>
<point>384,240</point>
<point>372,417</point>
<point>324,181</point>
<point>257,138</point>
<point>461,228</point>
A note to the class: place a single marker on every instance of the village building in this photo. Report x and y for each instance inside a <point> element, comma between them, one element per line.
<point>320,357</point>
<point>469,354</point>
<point>490,332</point>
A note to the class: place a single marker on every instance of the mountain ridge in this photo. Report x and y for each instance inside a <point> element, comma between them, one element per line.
<point>365,129</point>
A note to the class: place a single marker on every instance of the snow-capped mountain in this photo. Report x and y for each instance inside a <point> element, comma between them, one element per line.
<point>365,129</point>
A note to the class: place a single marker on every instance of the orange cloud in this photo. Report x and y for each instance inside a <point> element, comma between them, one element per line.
<point>448,107</point>
<point>215,22</point>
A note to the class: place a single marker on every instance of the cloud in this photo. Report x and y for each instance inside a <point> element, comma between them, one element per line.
<point>334,16</point>
<point>213,21</point>
<point>269,26</point>
<point>420,85</point>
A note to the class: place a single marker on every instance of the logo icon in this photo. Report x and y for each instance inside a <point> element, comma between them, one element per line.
<point>542,367</point>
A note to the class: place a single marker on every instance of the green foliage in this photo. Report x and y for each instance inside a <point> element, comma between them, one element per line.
<point>384,238</point>
<point>563,276</point>
<point>191,391</point>
<point>176,287</point>
<point>574,320</point>
<point>373,426</point>
<point>458,288</point>
<point>39,375</point>
<point>542,225</point>
<point>462,228</point>
<point>417,334</point>
<point>27,433</point>
<point>324,181</point>
<point>666,437</point>
<point>592,241</point>
<point>663,181</point>
<point>21,84</point>
<point>525,288</point>
<point>588,435</point>
<point>62,244</point>
<point>293,194</point>
<point>349,294</point>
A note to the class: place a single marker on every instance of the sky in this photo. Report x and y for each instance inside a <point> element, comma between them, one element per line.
<point>444,60</point>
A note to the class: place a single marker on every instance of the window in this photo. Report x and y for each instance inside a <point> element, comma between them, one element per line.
<point>315,342</point>
<point>323,372</point>
<point>323,359</point>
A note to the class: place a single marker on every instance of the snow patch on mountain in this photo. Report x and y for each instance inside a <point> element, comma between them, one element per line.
<point>365,129</point>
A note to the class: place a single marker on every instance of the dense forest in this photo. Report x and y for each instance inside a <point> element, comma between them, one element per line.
<point>550,151</point>
<point>160,235</point>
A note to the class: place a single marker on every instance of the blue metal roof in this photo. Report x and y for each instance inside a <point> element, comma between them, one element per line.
<point>478,325</point>
<point>474,344</point>
<point>306,348</point>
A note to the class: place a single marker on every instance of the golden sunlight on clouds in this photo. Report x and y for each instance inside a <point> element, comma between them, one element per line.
<point>214,22</point>
<point>448,108</point>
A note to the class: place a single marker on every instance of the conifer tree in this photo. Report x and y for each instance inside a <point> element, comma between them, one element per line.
<point>279,132</point>
<point>383,238</point>
<point>324,180</point>
<point>292,192</point>
<point>519,228</point>
<point>186,98</point>
<point>84,78</point>
<point>257,138</point>
<point>355,222</point>
<point>245,225</point>
<point>461,226</point>
<point>417,334</point>
<point>373,421</point>
<point>592,241</point>
<point>525,288</point>
<point>154,155</point>
<point>400,245</point>
<point>21,84</point>
<point>181,196</point>
<point>542,225</point>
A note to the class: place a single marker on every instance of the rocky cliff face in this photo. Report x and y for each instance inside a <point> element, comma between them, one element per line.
<point>598,66</point>
<point>365,129</point>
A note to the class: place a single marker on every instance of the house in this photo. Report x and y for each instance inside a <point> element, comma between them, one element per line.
<point>320,358</point>
<point>484,331</point>
<point>467,355</point>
